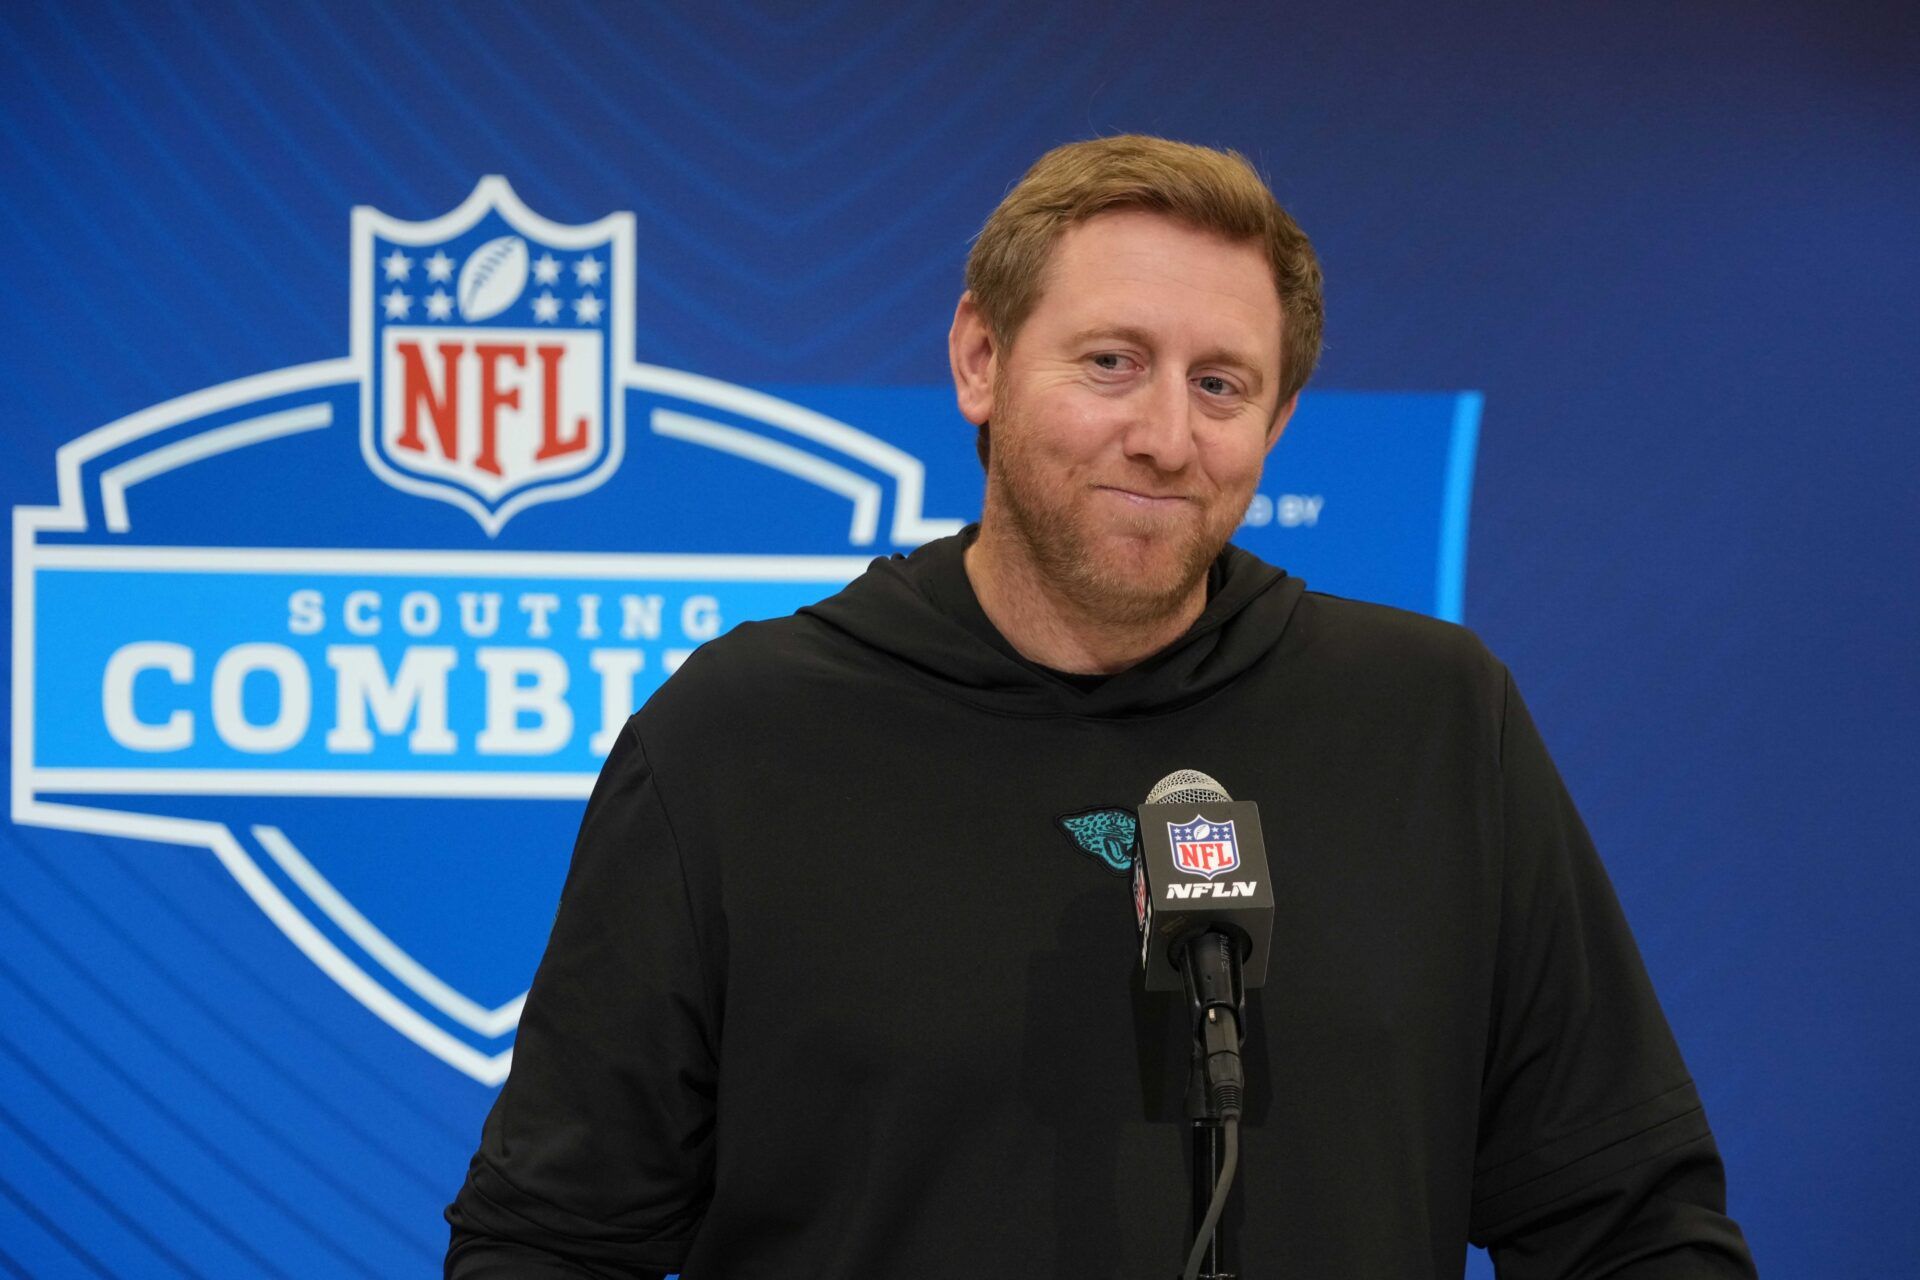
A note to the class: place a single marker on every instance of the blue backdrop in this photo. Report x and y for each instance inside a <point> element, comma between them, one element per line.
<point>1633,286</point>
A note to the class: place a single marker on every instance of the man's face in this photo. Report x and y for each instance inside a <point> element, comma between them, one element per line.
<point>1132,411</point>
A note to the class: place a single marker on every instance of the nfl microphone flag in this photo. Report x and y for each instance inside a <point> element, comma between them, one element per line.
<point>1202,865</point>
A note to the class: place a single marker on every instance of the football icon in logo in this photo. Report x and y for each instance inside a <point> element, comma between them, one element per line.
<point>493,278</point>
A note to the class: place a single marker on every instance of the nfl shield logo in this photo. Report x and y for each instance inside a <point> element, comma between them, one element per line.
<point>492,343</point>
<point>1203,848</point>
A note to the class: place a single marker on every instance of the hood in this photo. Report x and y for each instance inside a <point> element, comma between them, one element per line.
<point>895,609</point>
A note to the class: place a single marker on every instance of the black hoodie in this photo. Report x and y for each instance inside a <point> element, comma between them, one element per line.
<point>832,992</point>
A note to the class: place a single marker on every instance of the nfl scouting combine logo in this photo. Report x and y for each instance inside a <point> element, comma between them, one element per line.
<point>365,628</point>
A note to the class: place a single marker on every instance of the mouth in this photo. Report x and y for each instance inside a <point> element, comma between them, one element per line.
<point>1144,500</point>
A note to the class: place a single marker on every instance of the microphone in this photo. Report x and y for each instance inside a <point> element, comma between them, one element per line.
<point>1201,868</point>
<point>1204,904</point>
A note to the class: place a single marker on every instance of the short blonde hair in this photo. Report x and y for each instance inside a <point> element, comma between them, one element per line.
<point>1212,190</point>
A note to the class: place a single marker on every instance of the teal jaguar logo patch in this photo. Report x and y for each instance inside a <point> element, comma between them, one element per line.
<point>1107,834</point>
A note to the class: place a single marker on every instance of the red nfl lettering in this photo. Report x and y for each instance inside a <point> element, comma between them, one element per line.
<point>493,398</point>
<point>443,406</point>
<point>551,443</point>
<point>438,400</point>
<point>1203,855</point>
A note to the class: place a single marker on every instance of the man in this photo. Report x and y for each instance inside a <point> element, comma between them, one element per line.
<point>832,993</point>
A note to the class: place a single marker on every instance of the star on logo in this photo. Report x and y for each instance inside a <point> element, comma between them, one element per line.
<point>439,302</point>
<point>546,269</point>
<point>440,266</point>
<point>546,309</point>
<point>397,264</point>
<point>397,303</point>
<point>587,271</point>
<point>586,309</point>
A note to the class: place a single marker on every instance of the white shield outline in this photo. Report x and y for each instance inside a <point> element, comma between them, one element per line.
<point>492,194</point>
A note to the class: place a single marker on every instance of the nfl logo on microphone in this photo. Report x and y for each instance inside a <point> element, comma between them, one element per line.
<point>1203,848</point>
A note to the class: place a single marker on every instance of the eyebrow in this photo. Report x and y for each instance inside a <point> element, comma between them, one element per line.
<point>1140,337</point>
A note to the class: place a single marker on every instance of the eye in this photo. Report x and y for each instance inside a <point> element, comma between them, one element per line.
<point>1215,385</point>
<point>1110,361</point>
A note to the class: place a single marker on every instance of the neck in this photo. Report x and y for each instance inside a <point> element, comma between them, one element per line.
<point>1047,626</point>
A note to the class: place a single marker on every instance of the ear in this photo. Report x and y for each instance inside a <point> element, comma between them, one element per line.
<point>1280,421</point>
<point>971,351</point>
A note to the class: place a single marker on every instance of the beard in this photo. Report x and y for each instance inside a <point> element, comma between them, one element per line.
<point>1120,568</point>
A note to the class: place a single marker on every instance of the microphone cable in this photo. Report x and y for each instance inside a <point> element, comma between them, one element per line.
<point>1229,1164</point>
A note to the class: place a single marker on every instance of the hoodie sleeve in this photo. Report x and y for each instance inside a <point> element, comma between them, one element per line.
<point>1595,1158</point>
<point>596,1159</point>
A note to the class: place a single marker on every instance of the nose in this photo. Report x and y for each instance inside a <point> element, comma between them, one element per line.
<point>1160,430</point>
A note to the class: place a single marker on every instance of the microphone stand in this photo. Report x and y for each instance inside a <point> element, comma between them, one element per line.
<point>1216,999</point>
<point>1209,1150</point>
